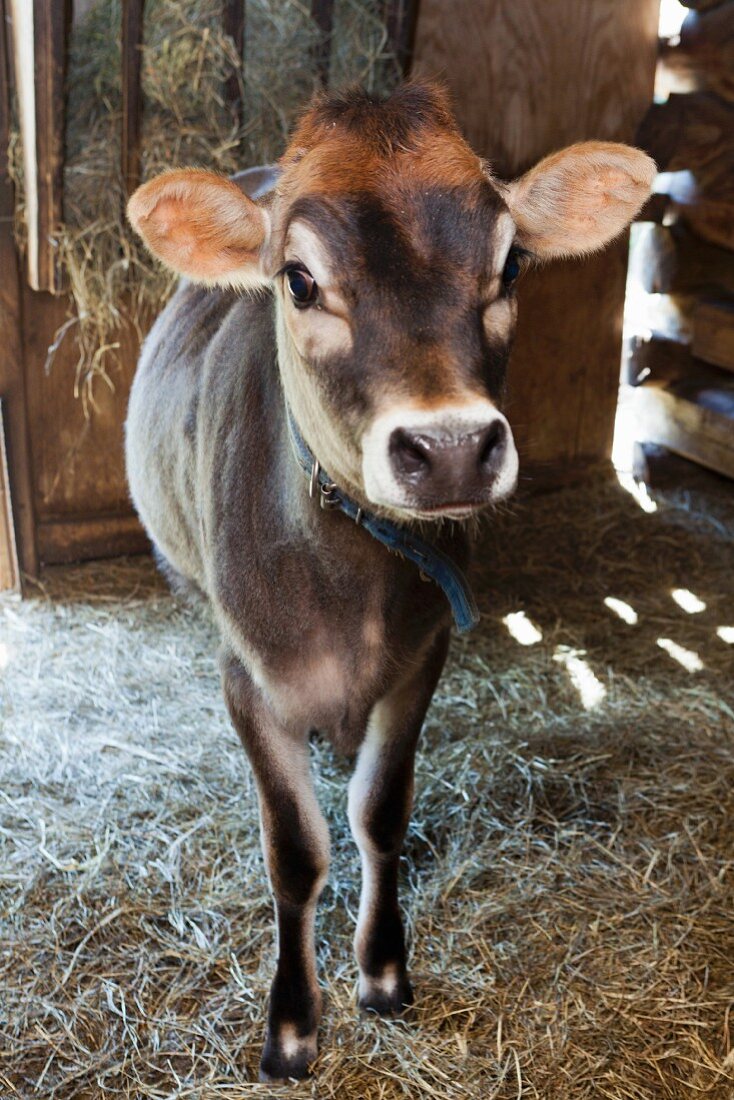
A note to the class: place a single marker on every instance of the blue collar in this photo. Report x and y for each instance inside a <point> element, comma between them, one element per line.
<point>432,562</point>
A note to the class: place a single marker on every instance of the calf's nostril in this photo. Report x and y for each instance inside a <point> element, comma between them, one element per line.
<point>408,454</point>
<point>492,440</point>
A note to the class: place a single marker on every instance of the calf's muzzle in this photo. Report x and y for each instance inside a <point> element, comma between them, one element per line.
<point>443,467</point>
<point>448,462</point>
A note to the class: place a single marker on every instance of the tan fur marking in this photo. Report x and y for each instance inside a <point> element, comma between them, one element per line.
<point>499,320</point>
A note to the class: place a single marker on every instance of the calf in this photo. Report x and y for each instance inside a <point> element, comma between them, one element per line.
<point>280,442</point>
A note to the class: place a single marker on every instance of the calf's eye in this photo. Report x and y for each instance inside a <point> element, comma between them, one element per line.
<point>302,287</point>
<point>512,267</point>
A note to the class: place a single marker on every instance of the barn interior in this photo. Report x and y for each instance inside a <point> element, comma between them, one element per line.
<point>568,878</point>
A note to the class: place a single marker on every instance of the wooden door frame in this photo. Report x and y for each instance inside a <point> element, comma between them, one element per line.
<point>12,374</point>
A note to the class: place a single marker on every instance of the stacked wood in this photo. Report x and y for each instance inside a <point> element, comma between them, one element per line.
<point>702,5</point>
<point>685,405</point>
<point>685,397</point>
<point>692,137</point>
<point>703,59</point>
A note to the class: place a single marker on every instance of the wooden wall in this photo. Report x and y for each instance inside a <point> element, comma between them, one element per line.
<point>82,504</point>
<point>684,368</point>
<point>528,78</point>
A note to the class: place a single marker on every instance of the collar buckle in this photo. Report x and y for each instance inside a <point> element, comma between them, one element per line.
<point>328,496</point>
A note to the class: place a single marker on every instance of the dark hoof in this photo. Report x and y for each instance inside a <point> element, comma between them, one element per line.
<point>377,996</point>
<point>286,1058</point>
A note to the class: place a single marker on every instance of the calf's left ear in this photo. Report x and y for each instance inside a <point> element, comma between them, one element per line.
<point>201,225</point>
<point>577,200</point>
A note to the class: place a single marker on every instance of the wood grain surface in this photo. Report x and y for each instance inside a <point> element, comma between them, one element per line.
<point>703,59</point>
<point>528,78</point>
<point>694,134</point>
<point>12,376</point>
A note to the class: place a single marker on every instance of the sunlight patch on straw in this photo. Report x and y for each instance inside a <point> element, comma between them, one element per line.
<point>621,609</point>
<point>685,657</point>
<point>590,688</point>
<point>523,629</point>
<point>687,601</point>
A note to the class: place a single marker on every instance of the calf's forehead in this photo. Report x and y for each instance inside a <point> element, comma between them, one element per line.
<point>399,234</point>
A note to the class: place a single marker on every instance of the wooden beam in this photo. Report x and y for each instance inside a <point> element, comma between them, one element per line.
<point>693,417</point>
<point>713,333</point>
<point>9,564</point>
<point>672,260</point>
<point>233,22</point>
<point>401,17</point>
<point>12,378</point>
<point>702,5</point>
<point>132,94</point>
<point>322,13</point>
<point>78,539</point>
<point>658,359</point>
<point>40,31</point>
<point>692,137</point>
<point>703,58</point>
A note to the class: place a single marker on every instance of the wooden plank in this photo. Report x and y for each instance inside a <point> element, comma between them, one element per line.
<point>694,420</point>
<point>132,94</point>
<point>12,380</point>
<point>671,260</point>
<point>9,564</point>
<point>702,5</point>
<point>660,360</point>
<point>401,17</point>
<point>692,136</point>
<point>526,79</point>
<point>233,23</point>
<point>40,30</point>
<point>67,540</point>
<point>703,58</point>
<point>322,13</point>
<point>78,461</point>
<point>654,210</point>
<point>713,333</point>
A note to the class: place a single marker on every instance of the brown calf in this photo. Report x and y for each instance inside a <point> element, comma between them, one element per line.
<point>385,260</point>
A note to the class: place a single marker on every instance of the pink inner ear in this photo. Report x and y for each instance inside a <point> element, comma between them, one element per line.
<point>201,225</point>
<point>171,232</point>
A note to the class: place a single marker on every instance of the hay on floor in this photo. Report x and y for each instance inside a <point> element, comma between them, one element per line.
<point>568,876</point>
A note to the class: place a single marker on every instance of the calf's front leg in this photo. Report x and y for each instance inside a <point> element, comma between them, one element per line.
<point>380,801</point>
<point>296,848</point>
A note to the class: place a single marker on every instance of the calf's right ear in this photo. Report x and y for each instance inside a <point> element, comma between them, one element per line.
<point>202,226</point>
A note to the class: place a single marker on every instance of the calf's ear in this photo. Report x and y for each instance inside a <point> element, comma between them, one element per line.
<point>202,226</point>
<point>577,200</point>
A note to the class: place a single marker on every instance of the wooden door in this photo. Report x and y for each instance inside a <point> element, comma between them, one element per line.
<point>529,78</point>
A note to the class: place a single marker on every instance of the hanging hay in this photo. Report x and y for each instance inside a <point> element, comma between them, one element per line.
<point>568,874</point>
<point>187,60</point>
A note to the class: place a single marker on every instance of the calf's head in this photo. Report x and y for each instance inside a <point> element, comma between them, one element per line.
<point>393,255</point>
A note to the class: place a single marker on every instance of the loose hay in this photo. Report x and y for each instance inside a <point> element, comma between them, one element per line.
<point>568,873</point>
<point>187,60</point>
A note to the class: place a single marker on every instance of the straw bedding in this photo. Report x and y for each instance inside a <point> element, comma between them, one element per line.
<point>568,876</point>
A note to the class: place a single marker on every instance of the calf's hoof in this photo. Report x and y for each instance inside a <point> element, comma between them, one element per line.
<point>390,994</point>
<point>287,1055</point>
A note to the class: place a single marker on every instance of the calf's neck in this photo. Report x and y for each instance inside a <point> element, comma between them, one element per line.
<point>359,313</point>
